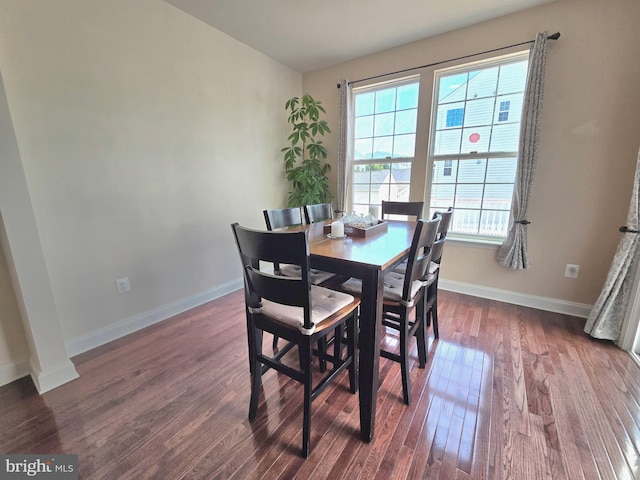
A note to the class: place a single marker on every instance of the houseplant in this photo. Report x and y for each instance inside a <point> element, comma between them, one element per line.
<point>304,158</point>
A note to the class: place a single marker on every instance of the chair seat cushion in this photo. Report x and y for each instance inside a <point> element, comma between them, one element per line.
<point>401,268</point>
<point>315,276</point>
<point>324,303</point>
<point>393,284</point>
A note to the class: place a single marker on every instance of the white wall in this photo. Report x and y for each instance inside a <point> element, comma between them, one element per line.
<point>14,351</point>
<point>143,133</point>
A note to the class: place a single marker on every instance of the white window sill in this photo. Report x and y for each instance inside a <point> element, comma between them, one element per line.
<point>490,243</point>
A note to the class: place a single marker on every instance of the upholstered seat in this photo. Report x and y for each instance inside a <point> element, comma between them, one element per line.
<point>325,302</point>
<point>316,276</point>
<point>393,286</point>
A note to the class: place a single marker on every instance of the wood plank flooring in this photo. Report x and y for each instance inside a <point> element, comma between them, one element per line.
<point>508,393</point>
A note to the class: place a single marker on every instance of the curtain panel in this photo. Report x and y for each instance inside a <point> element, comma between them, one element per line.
<point>607,315</point>
<point>513,251</point>
<point>345,147</point>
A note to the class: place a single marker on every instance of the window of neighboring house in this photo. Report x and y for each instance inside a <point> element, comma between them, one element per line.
<point>448,167</point>
<point>454,117</point>
<point>385,118</point>
<point>474,160</point>
<point>503,115</point>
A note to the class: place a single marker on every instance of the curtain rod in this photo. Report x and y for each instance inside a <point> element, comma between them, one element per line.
<point>555,36</point>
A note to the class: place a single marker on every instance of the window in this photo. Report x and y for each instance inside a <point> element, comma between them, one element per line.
<point>503,115</point>
<point>474,143</point>
<point>448,167</point>
<point>384,142</point>
<point>454,117</point>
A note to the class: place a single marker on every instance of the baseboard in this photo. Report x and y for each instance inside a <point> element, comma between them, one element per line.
<point>145,319</point>
<point>53,377</point>
<point>13,371</point>
<point>542,303</point>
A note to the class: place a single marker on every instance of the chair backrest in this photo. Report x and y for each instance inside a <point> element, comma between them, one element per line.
<point>413,209</point>
<point>318,212</point>
<point>283,217</point>
<point>278,247</point>
<point>441,236</point>
<point>420,254</point>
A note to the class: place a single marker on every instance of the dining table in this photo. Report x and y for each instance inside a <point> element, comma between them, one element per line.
<point>367,258</point>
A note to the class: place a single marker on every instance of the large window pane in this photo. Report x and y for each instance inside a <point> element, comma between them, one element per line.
<point>494,223</point>
<point>385,100</point>
<point>466,221</point>
<point>406,121</point>
<point>469,196</point>
<point>407,96</point>
<point>479,112</point>
<point>505,138</point>
<point>472,171</point>
<point>445,171</point>
<point>404,146</point>
<point>364,104</point>
<point>450,115</point>
<point>382,147</point>
<point>513,78</point>
<point>384,124</point>
<point>453,88</point>
<point>482,83</point>
<point>447,142</point>
<point>363,149</point>
<point>475,139</point>
<point>497,196</point>
<point>442,196</point>
<point>364,127</point>
<point>502,170</point>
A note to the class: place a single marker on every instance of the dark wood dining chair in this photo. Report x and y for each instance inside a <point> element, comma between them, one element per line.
<point>318,212</point>
<point>282,217</point>
<point>408,209</point>
<point>430,299</point>
<point>402,295</point>
<point>296,310</point>
<point>290,217</point>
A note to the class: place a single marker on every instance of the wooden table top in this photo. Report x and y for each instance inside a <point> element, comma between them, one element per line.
<point>379,250</point>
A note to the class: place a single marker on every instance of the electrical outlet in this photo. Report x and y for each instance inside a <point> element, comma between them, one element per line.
<point>571,271</point>
<point>122,285</point>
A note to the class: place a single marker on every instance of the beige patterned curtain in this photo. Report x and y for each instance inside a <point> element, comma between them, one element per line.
<point>513,251</point>
<point>345,147</point>
<point>607,315</point>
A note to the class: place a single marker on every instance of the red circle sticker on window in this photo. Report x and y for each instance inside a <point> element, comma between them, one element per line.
<point>474,137</point>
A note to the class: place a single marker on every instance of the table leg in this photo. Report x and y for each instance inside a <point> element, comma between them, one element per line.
<point>369,344</point>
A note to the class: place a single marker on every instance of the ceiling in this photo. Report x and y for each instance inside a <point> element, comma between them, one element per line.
<point>308,35</point>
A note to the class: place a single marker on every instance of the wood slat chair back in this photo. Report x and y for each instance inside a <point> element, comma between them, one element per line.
<point>318,212</point>
<point>409,209</point>
<point>282,217</point>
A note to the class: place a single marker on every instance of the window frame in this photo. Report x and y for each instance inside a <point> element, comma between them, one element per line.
<point>391,160</point>
<point>501,60</point>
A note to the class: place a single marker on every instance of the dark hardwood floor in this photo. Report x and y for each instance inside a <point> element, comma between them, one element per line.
<point>509,393</point>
